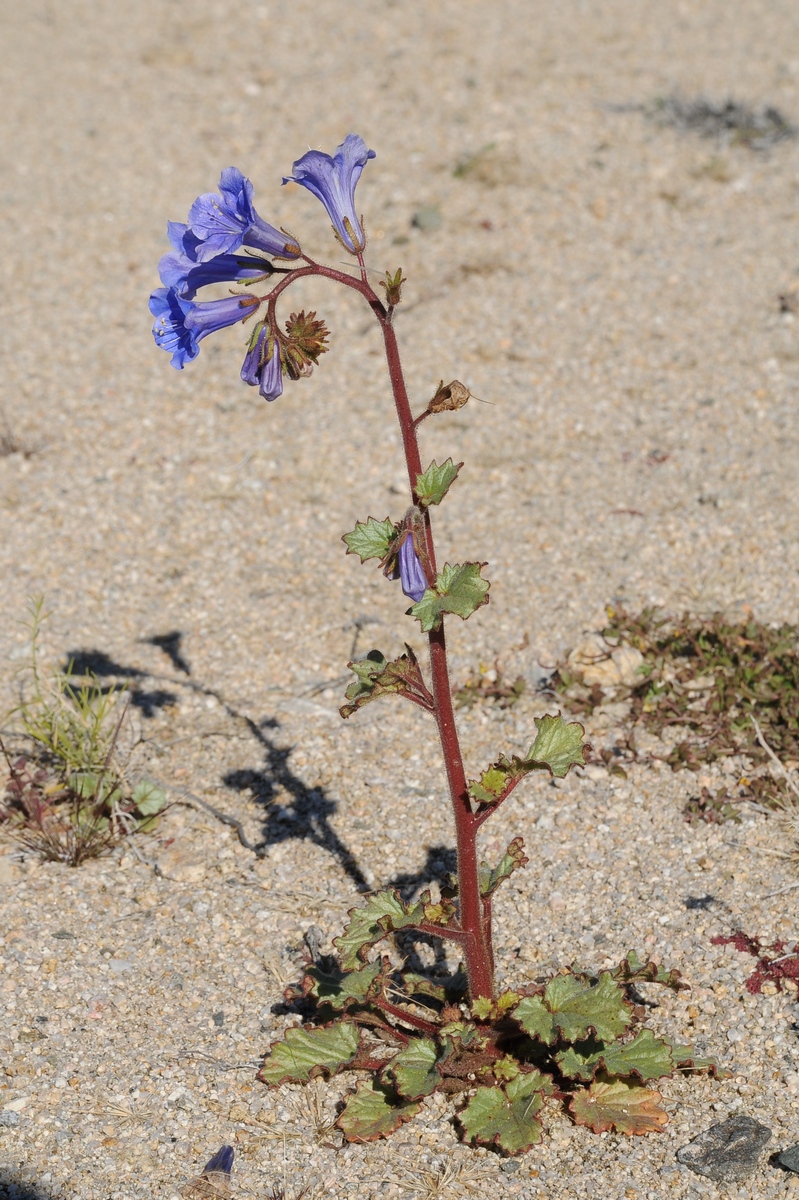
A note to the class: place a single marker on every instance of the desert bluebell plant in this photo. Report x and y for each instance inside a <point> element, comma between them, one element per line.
<point>571,1039</point>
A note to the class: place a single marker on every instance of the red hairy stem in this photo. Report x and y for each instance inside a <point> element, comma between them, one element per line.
<point>473,924</point>
<point>476,949</point>
<point>453,932</point>
<point>394,1010</point>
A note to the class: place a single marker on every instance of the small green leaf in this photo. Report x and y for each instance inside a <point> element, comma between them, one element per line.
<point>505,1116</point>
<point>685,1060</point>
<point>414,1071</point>
<point>558,745</point>
<point>383,913</point>
<point>376,676</point>
<point>372,1112</point>
<point>512,860</point>
<point>340,991</point>
<point>305,1053</point>
<point>459,589</point>
<point>371,538</point>
<point>149,798</point>
<point>579,1007</point>
<point>633,969</point>
<point>536,1019</point>
<point>433,485</point>
<point>618,1105</point>
<point>646,1056</point>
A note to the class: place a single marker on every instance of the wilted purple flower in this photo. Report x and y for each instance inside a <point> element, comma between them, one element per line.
<point>262,364</point>
<point>412,576</point>
<point>182,270</point>
<point>332,180</point>
<point>225,220</point>
<point>180,324</point>
<point>222,1161</point>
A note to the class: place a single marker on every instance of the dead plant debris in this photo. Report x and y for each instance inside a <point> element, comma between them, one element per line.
<point>705,678</point>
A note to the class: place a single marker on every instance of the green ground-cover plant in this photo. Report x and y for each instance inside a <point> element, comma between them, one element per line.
<point>69,797</point>
<point>706,677</point>
<point>573,1039</point>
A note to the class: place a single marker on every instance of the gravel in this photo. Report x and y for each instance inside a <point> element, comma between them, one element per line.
<point>610,288</point>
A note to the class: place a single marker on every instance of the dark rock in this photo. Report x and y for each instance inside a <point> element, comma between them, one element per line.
<point>509,1165</point>
<point>789,1158</point>
<point>9,1119</point>
<point>728,1151</point>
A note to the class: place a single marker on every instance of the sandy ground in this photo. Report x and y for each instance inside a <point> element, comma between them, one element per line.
<point>610,287</point>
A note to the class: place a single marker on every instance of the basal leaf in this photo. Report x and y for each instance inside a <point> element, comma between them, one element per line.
<point>305,1053</point>
<point>579,1008</point>
<point>383,913</point>
<point>149,798</point>
<point>646,1056</point>
<point>685,1060</point>
<point>375,676</point>
<point>372,1112</point>
<point>618,1105</point>
<point>512,860</point>
<point>536,1019</point>
<point>413,1071</point>
<point>633,969</point>
<point>459,589</point>
<point>371,538</point>
<point>505,1116</point>
<point>339,991</point>
<point>558,747</point>
<point>433,485</point>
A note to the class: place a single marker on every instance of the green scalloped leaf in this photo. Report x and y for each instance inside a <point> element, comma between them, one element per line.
<point>375,676</point>
<point>414,1071</point>
<point>383,913</point>
<point>459,589</point>
<point>339,991</point>
<point>558,747</point>
<point>371,538</point>
<point>305,1053</point>
<point>148,798</point>
<point>512,860</point>
<point>579,1008</point>
<point>369,1113</point>
<point>618,1105</point>
<point>505,1116</point>
<point>536,1019</point>
<point>646,1056</point>
<point>434,483</point>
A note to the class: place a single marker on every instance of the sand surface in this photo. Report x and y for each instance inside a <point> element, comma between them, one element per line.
<point>610,287</point>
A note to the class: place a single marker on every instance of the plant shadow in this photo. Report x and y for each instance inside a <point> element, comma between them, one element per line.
<point>14,1187</point>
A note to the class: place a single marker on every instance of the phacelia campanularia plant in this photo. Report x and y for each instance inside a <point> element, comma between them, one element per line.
<point>573,1039</point>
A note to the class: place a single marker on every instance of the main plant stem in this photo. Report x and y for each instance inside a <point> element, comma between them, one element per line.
<point>474,920</point>
<point>474,934</point>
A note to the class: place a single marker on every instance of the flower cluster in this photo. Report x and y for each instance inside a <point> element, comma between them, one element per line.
<point>225,240</point>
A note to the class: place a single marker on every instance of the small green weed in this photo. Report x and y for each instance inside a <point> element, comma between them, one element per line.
<point>706,677</point>
<point>69,799</point>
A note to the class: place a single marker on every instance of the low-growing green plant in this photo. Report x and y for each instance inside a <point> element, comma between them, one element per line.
<point>69,798</point>
<point>706,677</point>
<point>574,1039</point>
